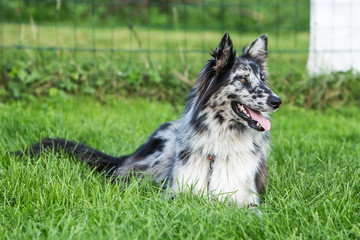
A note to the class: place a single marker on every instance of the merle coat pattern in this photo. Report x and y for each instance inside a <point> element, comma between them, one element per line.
<point>220,144</point>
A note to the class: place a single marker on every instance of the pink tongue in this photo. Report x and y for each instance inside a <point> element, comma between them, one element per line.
<point>260,119</point>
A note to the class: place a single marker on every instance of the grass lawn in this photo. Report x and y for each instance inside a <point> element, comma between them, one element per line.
<point>313,188</point>
<point>174,49</point>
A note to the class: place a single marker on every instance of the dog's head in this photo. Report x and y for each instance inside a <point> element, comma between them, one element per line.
<point>236,85</point>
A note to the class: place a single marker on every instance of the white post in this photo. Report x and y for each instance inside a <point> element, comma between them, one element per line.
<point>334,36</point>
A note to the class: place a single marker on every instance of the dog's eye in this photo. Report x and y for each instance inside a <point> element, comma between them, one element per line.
<point>243,80</point>
<point>262,77</point>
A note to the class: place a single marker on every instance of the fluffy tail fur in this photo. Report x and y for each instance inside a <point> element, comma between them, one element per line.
<point>94,158</point>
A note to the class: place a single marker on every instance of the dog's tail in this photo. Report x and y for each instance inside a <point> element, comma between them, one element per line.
<point>94,158</point>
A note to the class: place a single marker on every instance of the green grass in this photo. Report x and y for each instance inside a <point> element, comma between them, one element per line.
<point>283,44</point>
<point>313,190</point>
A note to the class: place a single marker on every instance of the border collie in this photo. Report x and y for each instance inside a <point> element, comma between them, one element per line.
<point>220,144</point>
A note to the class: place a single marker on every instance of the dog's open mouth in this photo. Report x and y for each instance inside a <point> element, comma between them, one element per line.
<point>254,118</point>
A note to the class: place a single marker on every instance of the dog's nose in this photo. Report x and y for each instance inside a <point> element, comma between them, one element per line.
<point>275,102</point>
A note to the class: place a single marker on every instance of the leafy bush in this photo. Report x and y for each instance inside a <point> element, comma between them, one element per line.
<point>23,77</point>
<point>335,90</point>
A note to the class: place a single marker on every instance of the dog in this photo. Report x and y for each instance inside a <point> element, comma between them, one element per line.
<point>220,144</point>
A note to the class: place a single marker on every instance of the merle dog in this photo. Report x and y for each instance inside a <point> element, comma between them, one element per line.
<point>220,144</point>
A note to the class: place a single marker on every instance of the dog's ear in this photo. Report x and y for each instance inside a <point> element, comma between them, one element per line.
<point>257,51</point>
<point>223,54</point>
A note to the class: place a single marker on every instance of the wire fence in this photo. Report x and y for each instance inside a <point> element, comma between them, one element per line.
<point>153,48</point>
<point>151,27</point>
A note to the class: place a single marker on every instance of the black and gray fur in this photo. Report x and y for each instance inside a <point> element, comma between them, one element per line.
<point>216,147</point>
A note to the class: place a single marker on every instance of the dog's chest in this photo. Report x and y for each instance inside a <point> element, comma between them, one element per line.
<point>234,175</point>
<point>224,166</point>
<point>233,163</point>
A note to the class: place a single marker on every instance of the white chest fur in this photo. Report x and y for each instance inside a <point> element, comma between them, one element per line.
<point>233,171</point>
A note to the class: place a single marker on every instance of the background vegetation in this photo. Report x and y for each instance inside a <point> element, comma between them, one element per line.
<point>199,14</point>
<point>154,48</point>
